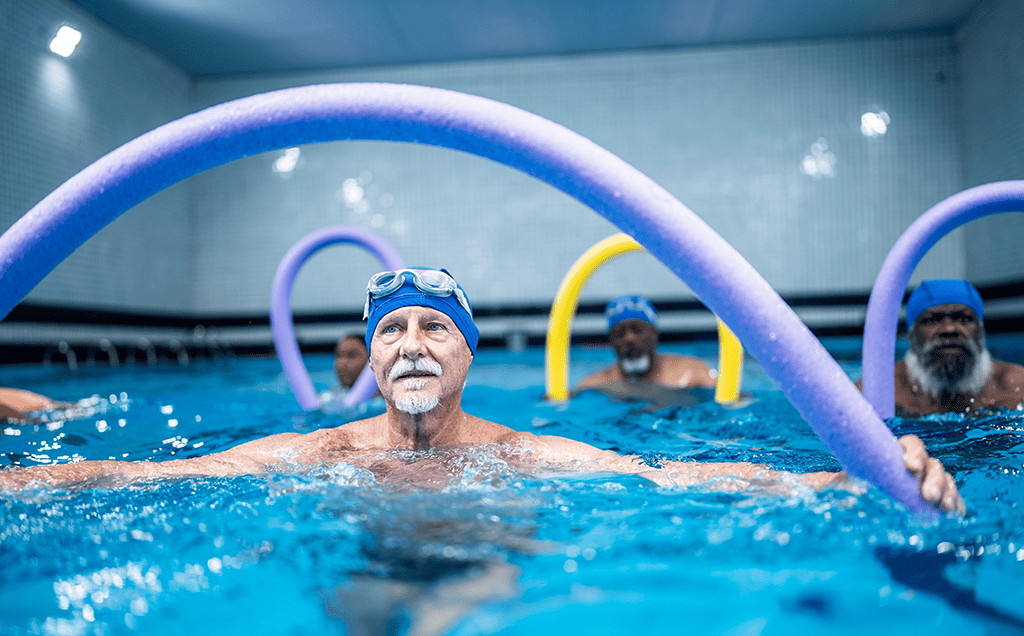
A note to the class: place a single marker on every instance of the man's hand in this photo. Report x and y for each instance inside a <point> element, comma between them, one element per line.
<point>937,486</point>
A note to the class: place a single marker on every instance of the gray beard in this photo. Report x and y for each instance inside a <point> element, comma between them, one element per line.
<point>637,366</point>
<point>416,403</point>
<point>935,382</point>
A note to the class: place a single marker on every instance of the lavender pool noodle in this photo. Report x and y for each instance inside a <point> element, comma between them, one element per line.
<point>282,325</point>
<point>710,267</point>
<point>891,284</point>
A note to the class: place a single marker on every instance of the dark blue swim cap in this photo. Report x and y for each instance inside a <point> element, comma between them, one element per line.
<point>630,308</point>
<point>408,295</point>
<point>931,293</point>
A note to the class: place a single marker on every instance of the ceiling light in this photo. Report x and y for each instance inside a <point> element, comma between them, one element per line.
<point>65,41</point>
<point>874,124</point>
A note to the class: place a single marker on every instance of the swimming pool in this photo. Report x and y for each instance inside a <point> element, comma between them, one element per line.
<point>497,552</point>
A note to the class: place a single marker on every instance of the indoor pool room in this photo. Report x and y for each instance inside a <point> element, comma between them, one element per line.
<point>389,317</point>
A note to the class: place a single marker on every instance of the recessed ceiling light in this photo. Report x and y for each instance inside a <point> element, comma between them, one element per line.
<point>65,41</point>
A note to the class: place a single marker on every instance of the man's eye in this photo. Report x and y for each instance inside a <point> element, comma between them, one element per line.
<point>435,326</point>
<point>391,329</point>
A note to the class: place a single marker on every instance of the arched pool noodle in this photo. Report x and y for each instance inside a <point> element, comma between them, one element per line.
<point>563,309</point>
<point>891,284</point>
<point>282,325</point>
<point>712,269</point>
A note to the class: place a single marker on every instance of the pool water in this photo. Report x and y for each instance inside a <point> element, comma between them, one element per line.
<point>495,552</point>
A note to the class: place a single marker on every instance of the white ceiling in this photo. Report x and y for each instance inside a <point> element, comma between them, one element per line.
<point>232,37</point>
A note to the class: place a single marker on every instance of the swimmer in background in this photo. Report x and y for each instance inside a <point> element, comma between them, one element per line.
<point>350,358</point>
<point>421,341</point>
<point>640,372</point>
<point>948,369</point>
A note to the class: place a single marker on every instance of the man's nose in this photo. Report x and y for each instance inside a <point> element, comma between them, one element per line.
<point>950,327</point>
<point>413,343</point>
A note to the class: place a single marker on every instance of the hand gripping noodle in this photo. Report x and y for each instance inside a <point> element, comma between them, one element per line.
<point>281,308</point>
<point>709,266</point>
<point>890,285</point>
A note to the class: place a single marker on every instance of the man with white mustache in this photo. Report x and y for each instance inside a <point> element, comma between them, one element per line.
<point>633,334</point>
<point>947,368</point>
<point>421,340</point>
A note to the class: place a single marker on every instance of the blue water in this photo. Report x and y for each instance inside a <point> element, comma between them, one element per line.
<point>496,552</point>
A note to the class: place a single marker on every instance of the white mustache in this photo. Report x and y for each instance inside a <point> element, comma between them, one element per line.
<point>405,365</point>
<point>972,347</point>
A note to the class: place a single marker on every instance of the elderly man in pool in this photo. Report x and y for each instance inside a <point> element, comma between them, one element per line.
<point>633,334</point>
<point>422,339</point>
<point>947,368</point>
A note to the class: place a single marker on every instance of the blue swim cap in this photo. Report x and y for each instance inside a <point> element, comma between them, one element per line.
<point>630,308</point>
<point>942,292</point>
<point>408,295</point>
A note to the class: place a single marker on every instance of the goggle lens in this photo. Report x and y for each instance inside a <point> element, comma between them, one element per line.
<point>429,281</point>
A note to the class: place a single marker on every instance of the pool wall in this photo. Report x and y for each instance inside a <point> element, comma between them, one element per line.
<point>763,141</point>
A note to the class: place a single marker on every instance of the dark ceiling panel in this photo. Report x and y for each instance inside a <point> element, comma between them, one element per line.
<point>231,37</point>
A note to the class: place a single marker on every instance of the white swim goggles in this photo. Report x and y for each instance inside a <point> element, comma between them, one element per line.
<point>436,282</point>
<point>627,303</point>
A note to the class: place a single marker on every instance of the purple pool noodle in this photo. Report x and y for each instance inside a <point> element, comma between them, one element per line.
<point>281,323</point>
<point>887,293</point>
<point>713,270</point>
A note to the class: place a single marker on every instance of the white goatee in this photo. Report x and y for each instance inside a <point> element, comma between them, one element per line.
<point>415,403</point>
<point>635,366</point>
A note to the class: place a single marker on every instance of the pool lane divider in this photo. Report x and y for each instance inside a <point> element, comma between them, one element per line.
<point>282,324</point>
<point>887,293</point>
<point>715,272</point>
<point>563,310</point>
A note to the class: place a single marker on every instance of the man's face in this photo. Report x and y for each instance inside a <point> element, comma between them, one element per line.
<point>419,357</point>
<point>632,340</point>
<point>947,340</point>
<point>349,359</point>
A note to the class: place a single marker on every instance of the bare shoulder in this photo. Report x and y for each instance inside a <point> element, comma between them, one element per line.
<point>1008,384</point>
<point>690,361</point>
<point>476,431</point>
<point>604,376</point>
<point>686,371</point>
<point>562,450</point>
<point>1011,374</point>
<point>901,377</point>
<point>311,447</point>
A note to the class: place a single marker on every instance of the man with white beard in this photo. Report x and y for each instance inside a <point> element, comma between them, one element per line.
<point>421,340</point>
<point>633,334</point>
<point>947,368</point>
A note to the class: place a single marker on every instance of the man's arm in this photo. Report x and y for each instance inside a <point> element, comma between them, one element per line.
<point>255,457</point>
<point>937,486</point>
<point>16,403</point>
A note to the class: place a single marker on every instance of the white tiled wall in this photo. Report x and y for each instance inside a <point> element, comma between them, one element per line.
<point>59,115</point>
<point>725,129</point>
<point>992,63</point>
